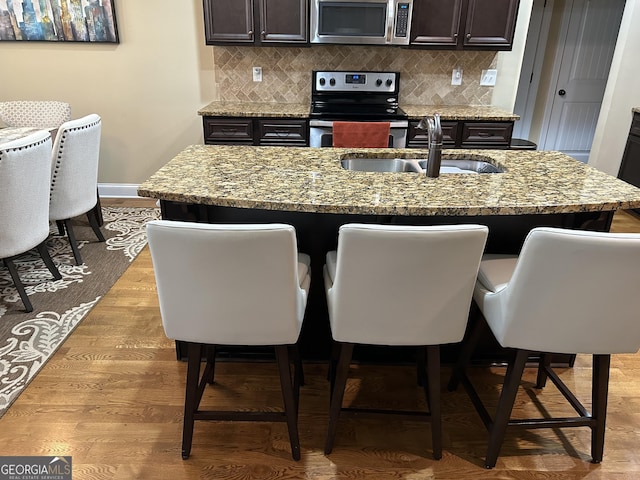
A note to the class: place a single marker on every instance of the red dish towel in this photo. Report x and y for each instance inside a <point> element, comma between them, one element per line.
<point>361,134</point>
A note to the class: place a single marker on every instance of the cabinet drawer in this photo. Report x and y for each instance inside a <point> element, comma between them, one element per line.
<point>419,139</point>
<point>635,125</point>
<point>488,135</point>
<point>227,131</point>
<point>283,132</point>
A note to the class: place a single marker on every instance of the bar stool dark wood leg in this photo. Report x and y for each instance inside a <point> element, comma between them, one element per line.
<point>192,397</point>
<point>505,406</point>
<point>289,398</point>
<point>545,363</point>
<point>478,326</point>
<point>599,393</point>
<point>433,398</point>
<point>338,386</point>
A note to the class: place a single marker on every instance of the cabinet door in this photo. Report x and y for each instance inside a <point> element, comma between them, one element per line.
<point>227,131</point>
<point>486,135</point>
<point>630,168</point>
<point>417,138</point>
<point>435,22</point>
<point>283,21</point>
<point>283,132</point>
<point>490,23</point>
<point>228,21</point>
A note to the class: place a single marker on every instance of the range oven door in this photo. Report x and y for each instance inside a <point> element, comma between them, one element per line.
<point>321,133</point>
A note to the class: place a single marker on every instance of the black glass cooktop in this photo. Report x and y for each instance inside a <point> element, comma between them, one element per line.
<point>330,111</point>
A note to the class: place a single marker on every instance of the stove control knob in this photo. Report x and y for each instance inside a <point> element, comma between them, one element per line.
<point>322,81</point>
<point>332,82</point>
<point>378,82</point>
<point>389,82</point>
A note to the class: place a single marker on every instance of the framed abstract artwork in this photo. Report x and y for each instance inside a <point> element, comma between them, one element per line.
<point>58,21</point>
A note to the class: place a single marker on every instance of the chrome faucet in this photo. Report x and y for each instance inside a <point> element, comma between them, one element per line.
<point>431,124</point>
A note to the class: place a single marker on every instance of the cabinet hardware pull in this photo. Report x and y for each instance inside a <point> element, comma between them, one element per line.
<point>468,36</point>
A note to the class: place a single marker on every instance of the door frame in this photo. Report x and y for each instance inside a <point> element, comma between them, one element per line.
<point>555,72</point>
<point>563,32</point>
<point>532,65</point>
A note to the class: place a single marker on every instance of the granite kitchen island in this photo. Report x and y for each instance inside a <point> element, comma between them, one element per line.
<point>309,189</point>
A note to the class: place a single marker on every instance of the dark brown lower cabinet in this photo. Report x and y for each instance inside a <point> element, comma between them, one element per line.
<point>465,134</point>
<point>294,132</point>
<point>255,131</point>
<point>630,166</point>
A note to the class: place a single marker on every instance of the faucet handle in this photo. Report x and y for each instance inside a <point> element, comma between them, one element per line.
<point>437,128</point>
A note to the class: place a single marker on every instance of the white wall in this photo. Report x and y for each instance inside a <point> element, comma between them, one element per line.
<point>510,63</point>
<point>621,95</point>
<point>147,89</point>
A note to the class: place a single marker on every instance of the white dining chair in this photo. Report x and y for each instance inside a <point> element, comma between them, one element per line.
<point>568,291</point>
<point>397,285</point>
<point>232,285</point>
<point>24,203</point>
<point>74,177</point>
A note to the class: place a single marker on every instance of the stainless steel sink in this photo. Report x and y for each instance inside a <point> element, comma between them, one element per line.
<point>381,165</point>
<point>463,165</point>
<point>448,165</point>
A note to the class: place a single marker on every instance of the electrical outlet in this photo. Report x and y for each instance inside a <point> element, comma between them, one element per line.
<point>257,74</point>
<point>456,76</point>
<point>488,78</point>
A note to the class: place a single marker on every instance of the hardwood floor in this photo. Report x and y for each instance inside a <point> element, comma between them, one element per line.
<point>112,398</point>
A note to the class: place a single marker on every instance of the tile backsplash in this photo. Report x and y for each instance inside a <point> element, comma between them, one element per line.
<point>425,75</point>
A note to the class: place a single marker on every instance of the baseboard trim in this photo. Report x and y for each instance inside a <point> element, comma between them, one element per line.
<point>118,190</point>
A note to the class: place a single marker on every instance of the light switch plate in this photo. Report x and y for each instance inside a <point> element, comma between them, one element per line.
<point>257,74</point>
<point>488,78</point>
<point>456,76</point>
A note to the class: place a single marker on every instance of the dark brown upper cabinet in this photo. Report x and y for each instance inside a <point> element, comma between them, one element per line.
<point>464,24</point>
<point>256,22</point>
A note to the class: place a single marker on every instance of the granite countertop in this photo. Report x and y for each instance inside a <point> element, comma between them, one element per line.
<point>312,180</point>
<point>256,109</point>
<point>460,112</point>
<point>301,110</point>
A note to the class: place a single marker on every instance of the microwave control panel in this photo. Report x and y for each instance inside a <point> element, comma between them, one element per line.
<point>402,20</point>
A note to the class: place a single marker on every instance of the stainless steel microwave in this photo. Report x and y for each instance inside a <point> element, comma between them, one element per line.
<point>361,22</point>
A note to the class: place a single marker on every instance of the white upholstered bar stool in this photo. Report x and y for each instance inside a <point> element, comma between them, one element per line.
<point>400,286</point>
<point>569,291</point>
<point>231,285</point>
<point>24,203</point>
<point>74,177</point>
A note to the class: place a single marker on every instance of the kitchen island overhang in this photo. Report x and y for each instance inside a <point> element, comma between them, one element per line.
<point>309,189</point>
<point>313,181</point>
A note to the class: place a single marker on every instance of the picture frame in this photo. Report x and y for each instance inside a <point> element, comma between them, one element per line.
<point>91,21</point>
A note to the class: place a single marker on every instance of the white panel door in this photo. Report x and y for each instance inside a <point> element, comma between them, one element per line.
<point>591,34</point>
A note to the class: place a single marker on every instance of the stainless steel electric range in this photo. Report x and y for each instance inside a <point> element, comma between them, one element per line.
<point>355,97</point>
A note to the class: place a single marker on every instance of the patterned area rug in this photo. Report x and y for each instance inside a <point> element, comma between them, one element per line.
<point>27,340</point>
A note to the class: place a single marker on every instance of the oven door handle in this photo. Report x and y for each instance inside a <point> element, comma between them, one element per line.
<point>321,123</point>
<point>329,123</point>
